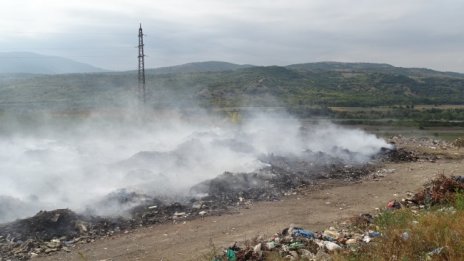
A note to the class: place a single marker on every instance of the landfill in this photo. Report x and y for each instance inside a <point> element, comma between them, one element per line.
<point>63,229</point>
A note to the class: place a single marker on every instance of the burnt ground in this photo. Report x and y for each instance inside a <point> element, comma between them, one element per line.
<point>63,230</point>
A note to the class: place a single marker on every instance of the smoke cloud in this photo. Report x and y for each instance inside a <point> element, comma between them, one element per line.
<point>79,166</point>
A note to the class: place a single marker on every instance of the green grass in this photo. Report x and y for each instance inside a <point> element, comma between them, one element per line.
<point>440,229</point>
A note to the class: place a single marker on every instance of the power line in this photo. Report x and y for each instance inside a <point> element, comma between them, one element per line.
<point>141,67</point>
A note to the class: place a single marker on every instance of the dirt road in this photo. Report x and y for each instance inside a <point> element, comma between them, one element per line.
<point>313,210</point>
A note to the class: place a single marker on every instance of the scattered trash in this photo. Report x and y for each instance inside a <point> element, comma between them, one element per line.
<point>405,236</point>
<point>331,246</point>
<point>436,251</point>
<point>351,241</point>
<point>294,243</point>
<point>393,204</point>
<point>231,255</point>
<point>270,245</point>
<point>367,239</point>
<point>298,232</point>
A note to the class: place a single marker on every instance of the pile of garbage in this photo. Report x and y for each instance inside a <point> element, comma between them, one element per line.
<point>62,229</point>
<point>46,232</point>
<point>398,155</point>
<point>280,177</point>
<point>296,243</point>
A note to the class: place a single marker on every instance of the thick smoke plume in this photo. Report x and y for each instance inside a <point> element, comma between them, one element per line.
<point>79,166</point>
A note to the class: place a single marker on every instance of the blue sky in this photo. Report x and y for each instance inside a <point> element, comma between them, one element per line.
<point>408,33</point>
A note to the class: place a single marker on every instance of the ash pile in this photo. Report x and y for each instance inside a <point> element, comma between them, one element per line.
<point>63,229</point>
<point>281,176</point>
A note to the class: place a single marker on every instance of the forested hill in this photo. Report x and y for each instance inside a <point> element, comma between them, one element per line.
<point>225,85</point>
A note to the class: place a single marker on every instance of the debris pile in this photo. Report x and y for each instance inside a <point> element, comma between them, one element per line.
<point>45,232</point>
<point>296,243</point>
<point>399,155</point>
<point>440,190</point>
<point>281,176</point>
<point>62,229</point>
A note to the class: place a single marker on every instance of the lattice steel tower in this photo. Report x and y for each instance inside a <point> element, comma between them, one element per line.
<point>141,87</point>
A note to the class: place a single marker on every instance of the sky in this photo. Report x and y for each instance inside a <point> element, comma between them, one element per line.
<point>407,33</point>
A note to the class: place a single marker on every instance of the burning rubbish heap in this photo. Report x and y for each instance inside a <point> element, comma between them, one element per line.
<point>51,231</point>
<point>280,176</point>
<point>399,155</point>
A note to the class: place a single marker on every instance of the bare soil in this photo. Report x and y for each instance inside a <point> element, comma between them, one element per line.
<point>332,202</point>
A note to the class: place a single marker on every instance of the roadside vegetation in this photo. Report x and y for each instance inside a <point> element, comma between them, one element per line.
<point>428,225</point>
<point>433,234</point>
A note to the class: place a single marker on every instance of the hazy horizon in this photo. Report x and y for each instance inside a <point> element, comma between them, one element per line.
<point>19,55</point>
<point>104,33</point>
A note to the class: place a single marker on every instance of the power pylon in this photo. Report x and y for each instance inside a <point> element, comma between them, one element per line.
<point>141,75</point>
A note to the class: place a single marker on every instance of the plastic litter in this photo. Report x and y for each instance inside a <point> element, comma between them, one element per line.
<point>295,245</point>
<point>331,246</point>
<point>405,236</point>
<point>367,239</point>
<point>298,232</point>
<point>231,255</point>
<point>270,245</point>
<point>393,204</point>
<point>328,238</point>
<point>436,251</point>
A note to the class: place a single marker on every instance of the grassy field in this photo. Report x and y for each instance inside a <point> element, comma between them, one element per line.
<point>444,133</point>
<point>389,108</point>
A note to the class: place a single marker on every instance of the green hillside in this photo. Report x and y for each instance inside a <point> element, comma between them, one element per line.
<point>229,85</point>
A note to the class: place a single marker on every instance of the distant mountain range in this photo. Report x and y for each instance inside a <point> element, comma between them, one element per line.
<point>222,84</point>
<point>209,66</point>
<point>25,62</point>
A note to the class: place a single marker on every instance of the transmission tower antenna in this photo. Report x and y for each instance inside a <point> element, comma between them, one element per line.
<point>141,75</point>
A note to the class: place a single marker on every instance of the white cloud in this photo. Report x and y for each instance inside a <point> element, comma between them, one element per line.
<point>259,32</point>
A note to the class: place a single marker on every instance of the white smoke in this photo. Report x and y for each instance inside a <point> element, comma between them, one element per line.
<point>75,167</point>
